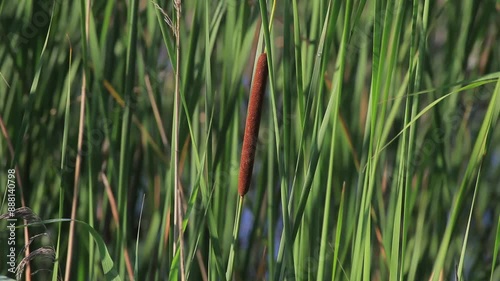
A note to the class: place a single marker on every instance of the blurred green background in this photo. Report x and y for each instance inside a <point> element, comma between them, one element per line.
<point>378,156</point>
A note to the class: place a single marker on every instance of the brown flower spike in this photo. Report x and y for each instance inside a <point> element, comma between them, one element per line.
<point>252,125</point>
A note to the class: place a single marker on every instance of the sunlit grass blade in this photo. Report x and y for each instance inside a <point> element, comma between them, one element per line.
<point>478,152</point>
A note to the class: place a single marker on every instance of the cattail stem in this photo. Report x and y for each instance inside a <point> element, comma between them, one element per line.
<point>236,231</point>
<point>252,125</point>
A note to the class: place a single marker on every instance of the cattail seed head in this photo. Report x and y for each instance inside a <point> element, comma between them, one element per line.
<point>252,125</point>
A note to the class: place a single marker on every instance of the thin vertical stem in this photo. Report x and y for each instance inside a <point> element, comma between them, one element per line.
<point>177,198</point>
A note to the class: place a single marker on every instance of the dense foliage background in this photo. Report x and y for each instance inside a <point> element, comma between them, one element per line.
<point>377,158</point>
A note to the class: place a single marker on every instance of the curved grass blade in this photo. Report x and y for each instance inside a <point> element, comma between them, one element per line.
<point>108,266</point>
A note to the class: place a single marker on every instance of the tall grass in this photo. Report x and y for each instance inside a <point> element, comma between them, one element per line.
<point>377,156</point>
